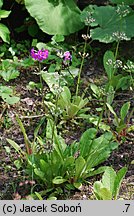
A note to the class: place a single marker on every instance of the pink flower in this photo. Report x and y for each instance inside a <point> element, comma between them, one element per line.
<point>40,55</point>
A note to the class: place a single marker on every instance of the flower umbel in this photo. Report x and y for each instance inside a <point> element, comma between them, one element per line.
<point>40,55</point>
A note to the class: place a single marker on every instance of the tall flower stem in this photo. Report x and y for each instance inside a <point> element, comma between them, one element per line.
<point>56,110</point>
<point>40,77</point>
<point>82,62</point>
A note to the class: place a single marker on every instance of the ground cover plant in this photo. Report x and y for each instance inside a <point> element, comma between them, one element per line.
<point>66,100</point>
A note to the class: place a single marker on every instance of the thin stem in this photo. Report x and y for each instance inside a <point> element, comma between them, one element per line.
<point>117,48</point>
<point>79,76</point>
<point>40,78</point>
<point>55,116</point>
<point>116,54</point>
<point>82,62</point>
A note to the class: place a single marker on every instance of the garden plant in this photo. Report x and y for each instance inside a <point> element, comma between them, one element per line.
<point>66,100</point>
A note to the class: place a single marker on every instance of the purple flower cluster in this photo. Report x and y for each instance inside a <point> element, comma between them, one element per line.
<point>67,56</point>
<point>39,55</point>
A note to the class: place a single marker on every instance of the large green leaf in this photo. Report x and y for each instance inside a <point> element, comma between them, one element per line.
<point>4,33</point>
<point>55,17</point>
<point>110,22</point>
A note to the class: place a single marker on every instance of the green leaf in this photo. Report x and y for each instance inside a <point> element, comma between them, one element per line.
<point>59,180</point>
<point>72,110</point>
<point>85,141</point>
<point>79,167</point>
<point>108,179</point>
<point>38,195</point>
<point>1,3</point>
<point>39,173</point>
<point>105,194</point>
<point>97,171</point>
<point>97,186</point>
<point>11,99</point>
<point>58,38</point>
<point>111,109</point>
<point>124,110</point>
<point>27,141</point>
<point>16,146</point>
<point>9,74</point>
<point>44,166</point>
<point>4,33</point>
<point>119,177</point>
<point>18,164</point>
<point>110,94</point>
<point>5,90</point>
<point>33,30</point>
<point>60,17</point>
<point>123,83</point>
<point>108,61</point>
<point>52,198</point>
<point>4,13</point>
<point>52,80</point>
<point>66,95</point>
<point>110,22</point>
<point>95,89</point>
<point>126,2</point>
<point>77,185</point>
<point>7,95</point>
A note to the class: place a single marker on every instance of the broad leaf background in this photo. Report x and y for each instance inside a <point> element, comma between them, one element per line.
<point>60,17</point>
